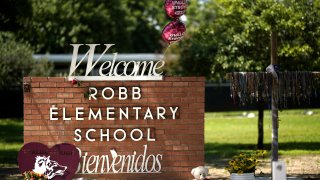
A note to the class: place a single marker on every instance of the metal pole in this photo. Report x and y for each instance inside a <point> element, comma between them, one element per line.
<point>274,98</point>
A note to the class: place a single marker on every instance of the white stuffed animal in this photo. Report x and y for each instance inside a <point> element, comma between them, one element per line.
<point>200,173</point>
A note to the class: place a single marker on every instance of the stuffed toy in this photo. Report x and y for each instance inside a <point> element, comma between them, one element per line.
<point>200,173</point>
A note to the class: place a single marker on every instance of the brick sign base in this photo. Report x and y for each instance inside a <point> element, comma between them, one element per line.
<point>179,140</point>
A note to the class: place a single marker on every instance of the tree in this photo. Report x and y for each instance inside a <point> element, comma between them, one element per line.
<point>134,26</point>
<point>14,14</point>
<point>235,36</point>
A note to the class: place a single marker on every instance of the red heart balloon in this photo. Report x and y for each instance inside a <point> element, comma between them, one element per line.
<point>175,8</point>
<point>174,31</point>
<point>59,162</point>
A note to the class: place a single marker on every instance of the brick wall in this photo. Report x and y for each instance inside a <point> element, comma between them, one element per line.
<point>181,141</point>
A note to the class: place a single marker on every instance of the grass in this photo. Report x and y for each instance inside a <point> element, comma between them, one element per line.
<point>11,139</point>
<point>226,134</point>
<point>229,133</point>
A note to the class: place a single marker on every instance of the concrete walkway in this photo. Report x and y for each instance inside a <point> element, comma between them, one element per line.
<point>13,173</point>
<point>269,178</point>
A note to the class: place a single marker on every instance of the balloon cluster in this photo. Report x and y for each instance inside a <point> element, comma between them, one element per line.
<point>174,31</point>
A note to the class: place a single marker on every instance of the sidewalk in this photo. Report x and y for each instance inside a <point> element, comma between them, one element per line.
<point>298,168</point>
<point>269,178</point>
<point>13,173</point>
<point>261,178</point>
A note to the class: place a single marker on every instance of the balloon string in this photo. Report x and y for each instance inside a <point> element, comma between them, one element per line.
<point>165,52</point>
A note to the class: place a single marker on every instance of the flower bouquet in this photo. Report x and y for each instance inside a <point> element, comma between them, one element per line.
<point>244,164</point>
<point>30,175</point>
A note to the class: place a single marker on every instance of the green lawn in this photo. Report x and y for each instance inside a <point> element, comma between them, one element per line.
<point>226,134</point>
<point>11,139</point>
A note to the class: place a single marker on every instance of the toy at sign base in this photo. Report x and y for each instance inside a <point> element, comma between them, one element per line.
<point>174,31</point>
<point>175,8</point>
<point>200,173</point>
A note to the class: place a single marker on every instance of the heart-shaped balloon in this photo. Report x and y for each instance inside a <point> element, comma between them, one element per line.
<point>174,31</point>
<point>175,8</point>
<point>59,162</point>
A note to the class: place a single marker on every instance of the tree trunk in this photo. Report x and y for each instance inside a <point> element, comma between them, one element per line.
<point>260,124</point>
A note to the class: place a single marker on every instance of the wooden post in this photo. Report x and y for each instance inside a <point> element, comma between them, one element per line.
<point>274,98</point>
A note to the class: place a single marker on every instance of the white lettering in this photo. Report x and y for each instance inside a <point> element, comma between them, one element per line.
<point>136,93</point>
<point>53,110</point>
<point>93,94</point>
<point>90,54</point>
<point>64,115</point>
<point>140,134</point>
<point>95,116</point>
<point>137,111</point>
<point>79,111</point>
<point>125,114</point>
<point>115,135</point>
<point>148,114</point>
<point>104,95</point>
<point>114,70</point>
<point>77,132</point>
<point>87,135</point>
<point>123,93</point>
<point>174,111</point>
<point>104,134</point>
<point>149,136</point>
<point>110,111</point>
<point>145,162</point>
<point>161,111</point>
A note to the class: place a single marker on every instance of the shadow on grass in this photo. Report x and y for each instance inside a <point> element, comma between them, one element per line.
<point>217,154</point>
<point>11,134</point>
<point>11,130</point>
<point>9,157</point>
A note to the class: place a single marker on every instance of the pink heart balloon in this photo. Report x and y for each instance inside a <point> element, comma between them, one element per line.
<point>175,8</point>
<point>174,31</point>
<point>59,162</point>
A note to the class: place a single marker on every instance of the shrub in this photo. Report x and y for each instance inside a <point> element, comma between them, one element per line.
<point>16,62</point>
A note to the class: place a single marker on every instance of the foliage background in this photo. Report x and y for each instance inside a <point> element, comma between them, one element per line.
<point>51,25</point>
<point>222,35</point>
<point>235,36</point>
<point>16,62</point>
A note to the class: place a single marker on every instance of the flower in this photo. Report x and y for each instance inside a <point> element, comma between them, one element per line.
<point>74,81</point>
<point>231,162</point>
<point>30,175</point>
<point>245,162</point>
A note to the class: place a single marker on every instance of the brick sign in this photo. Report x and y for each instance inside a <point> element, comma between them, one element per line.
<point>122,129</point>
